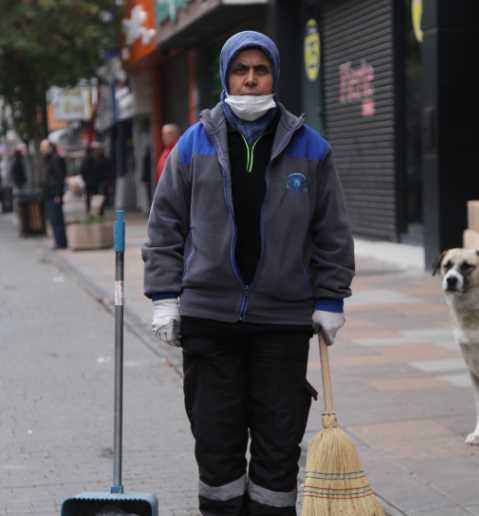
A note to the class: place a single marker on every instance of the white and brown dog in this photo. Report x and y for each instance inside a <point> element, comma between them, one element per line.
<point>459,270</point>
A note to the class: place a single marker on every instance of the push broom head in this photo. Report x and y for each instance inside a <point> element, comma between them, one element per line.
<point>335,483</point>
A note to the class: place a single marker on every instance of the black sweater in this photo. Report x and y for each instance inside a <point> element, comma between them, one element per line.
<point>248,163</point>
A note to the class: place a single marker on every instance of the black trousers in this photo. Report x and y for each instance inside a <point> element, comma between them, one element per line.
<point>247,387</point>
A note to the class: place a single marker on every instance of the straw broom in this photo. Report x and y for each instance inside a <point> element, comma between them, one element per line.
<point>335,483</point>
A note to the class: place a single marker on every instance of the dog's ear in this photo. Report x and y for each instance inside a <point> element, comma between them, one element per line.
<point>437,266</point>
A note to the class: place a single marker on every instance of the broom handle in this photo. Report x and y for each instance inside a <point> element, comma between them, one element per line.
<point>117,486</point>
<point>325,372</point>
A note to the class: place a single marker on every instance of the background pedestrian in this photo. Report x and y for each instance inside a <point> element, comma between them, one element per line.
<point>169,136</point>
<point>87,171</point>
<point>18,172</point>
<point>55,173</point>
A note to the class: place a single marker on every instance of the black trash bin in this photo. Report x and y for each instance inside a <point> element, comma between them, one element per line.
<point>31,213</point>
<point>6,199</point>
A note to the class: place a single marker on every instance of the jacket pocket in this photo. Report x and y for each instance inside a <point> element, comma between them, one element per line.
<point>285,281</point>
<point>207,263</point>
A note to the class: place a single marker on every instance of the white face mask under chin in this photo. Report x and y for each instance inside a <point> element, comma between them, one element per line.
<point>250,107</point>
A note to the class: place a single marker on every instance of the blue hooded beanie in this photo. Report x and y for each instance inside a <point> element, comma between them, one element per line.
<point>238,42</point>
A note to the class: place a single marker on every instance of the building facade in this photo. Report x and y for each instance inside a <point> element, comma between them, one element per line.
<point>392,84</point>
<point>381,79</point>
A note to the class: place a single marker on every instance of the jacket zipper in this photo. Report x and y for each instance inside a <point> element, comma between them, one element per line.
<point>246,288</point>
<point>244,299</point>
<point>249,168</point>
<point>244,302</point>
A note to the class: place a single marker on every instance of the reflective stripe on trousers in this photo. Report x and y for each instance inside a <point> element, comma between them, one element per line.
<point>271,498</point>
<point>256,493</point>
<point>225,492</point>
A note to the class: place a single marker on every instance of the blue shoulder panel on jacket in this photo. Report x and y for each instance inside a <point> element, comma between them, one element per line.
<point>194,141</point>
<point>308,144</point>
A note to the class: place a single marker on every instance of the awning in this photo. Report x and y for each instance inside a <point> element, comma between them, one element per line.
<point>174,17</point>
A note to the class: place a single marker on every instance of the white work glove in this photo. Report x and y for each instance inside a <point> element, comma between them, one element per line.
<point>330,322</point>
<point>166,321</point>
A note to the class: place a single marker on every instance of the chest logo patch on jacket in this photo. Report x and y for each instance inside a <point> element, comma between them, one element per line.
<point>297,182</point>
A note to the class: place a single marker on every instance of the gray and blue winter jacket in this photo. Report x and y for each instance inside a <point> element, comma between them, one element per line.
<point>307,246</point>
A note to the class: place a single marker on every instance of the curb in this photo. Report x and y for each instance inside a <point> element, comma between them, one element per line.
<point>132,321</point>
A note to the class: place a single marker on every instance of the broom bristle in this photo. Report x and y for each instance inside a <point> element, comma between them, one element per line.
<point>335,483</point>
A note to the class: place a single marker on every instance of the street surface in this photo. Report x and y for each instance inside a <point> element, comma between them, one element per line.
<point>56,384</point>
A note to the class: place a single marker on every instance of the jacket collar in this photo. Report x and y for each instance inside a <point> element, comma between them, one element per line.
<point>215,124</point>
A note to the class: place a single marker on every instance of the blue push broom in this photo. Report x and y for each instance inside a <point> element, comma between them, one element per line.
<point>115,502</point>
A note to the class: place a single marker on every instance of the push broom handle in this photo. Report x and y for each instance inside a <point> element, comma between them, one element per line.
<point>325,372</point>
<point>117,486</point>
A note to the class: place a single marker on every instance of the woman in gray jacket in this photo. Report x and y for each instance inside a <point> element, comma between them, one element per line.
<point>249,248</point>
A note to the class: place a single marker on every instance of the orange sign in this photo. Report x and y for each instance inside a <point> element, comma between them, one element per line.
<point>139,29</point>
<point>53,122</point>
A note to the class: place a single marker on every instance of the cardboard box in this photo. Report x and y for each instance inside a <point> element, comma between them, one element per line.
<point>94,235</point>
<point>471,239</point>
<point>473,215</point>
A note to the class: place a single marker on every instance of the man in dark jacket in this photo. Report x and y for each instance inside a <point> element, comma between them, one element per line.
<point>95,171</point>
<point>88,173</point>
<point>17,170</point>
<point>249,248</point>
<point>55,173</point>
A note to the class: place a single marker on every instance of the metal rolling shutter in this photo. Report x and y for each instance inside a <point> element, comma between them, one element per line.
<point>361,32</point>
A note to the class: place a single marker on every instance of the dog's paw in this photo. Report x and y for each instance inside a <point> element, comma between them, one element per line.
<point>472,439</point>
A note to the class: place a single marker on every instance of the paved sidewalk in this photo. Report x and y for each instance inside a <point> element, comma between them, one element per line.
<point>400,385</point>
<point>56,401</point>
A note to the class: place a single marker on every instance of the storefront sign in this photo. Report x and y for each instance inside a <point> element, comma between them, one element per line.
<point>167,9</point>
<point>108,114</point>
<point>139,29</point>
<point>71,103</point>
<point>416,13</point>
<point>312,50</point>
<point>356,85</point>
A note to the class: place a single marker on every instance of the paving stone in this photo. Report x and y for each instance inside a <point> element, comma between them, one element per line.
<point>439,366</point>
<point>407,384</point>
<point>416,352</point>
<point>443,510</point>
<point>379,297</point>
<point>458,380</point>
<point>431,334</point>
<point>454,476</point>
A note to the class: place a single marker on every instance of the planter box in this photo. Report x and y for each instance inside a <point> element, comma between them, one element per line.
<point>95,235</point>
